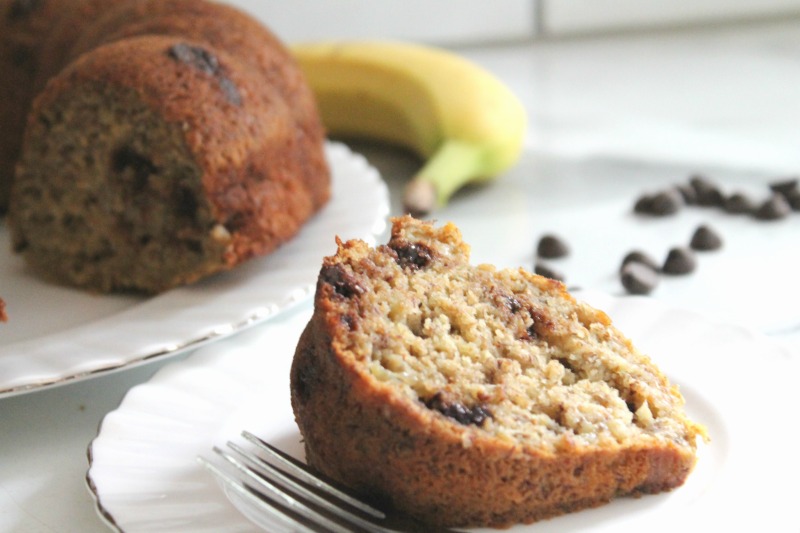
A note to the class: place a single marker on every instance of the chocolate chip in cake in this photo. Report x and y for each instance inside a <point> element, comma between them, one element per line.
<point>512,303</point>
<point>206,62</point>
<point>412,254</point>
<point>639,278</point>
<point>196,56</point>
<point>552,247</point>
<point>775,207</point>
<point>679,261</point>
<point>465,415</point>
<point>342,281</point>
<point>705,238</point>
<point>548,272</point>
<point>640,257</point>
<point>739,203</point>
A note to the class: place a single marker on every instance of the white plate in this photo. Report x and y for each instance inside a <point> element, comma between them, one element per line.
<point>145,477</point>
<point>56,334</point>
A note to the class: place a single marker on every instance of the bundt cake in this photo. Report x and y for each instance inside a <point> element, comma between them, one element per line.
<point>22,25</point>
<point>169,140</point>
<point>472,396</point>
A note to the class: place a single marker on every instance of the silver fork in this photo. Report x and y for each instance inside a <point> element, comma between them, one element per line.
<point>290,493</point>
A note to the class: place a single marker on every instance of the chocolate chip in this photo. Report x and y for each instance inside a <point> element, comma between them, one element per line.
<point>342,281</point>
<point>196,56</point>
<point>667,202</point>
<point>22,8</point>
<point>793,197</point>
<point>738,203</point>
<point>708,194</point>
<point>774,208</point>
<point>204,61</point>
<point>639,257</point>
<point>784,187</point>
<point>639,278</point>
<point>662,203</point>
<point>512,303</point>
<point>412,254</point>
<point>789,189</point>
<point>476,415</point>
<point>679,261</point>
<point>548,272</point>
<point>705,239</point>
<point>552,247</point>
<point>643,204</point>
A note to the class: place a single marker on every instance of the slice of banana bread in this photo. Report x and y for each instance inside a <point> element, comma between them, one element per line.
<point>471,396</point>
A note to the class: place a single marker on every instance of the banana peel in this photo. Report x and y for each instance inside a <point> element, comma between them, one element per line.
<point>464,123</point>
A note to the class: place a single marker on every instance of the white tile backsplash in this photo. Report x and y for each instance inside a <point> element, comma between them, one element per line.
<point>454,22</point>
<point>437,21</point>
<point>560,17</point>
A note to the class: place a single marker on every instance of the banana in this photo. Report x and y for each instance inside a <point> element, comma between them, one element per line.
<point>463,123</point>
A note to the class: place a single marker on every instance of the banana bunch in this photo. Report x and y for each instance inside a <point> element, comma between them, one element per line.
<point>463,123</point>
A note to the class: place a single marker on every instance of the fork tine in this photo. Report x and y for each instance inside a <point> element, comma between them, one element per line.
<point>263,472</point>
<point>300,471</point>
<point>242,490</point>
<point>277,500</point>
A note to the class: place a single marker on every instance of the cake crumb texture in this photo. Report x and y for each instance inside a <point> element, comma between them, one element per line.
<point>474,396</point>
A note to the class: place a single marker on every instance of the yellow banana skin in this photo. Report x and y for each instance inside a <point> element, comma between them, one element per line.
<point>463,122</point>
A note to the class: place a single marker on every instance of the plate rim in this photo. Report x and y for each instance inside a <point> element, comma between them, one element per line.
<point>211,359</point>
<point>338,153</point>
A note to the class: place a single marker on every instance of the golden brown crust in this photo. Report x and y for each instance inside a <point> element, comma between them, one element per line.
<point>247,118</point>
<point>238,132</point>
<point>227,28</point>
<point>372,435</point>
<point>22,25</point>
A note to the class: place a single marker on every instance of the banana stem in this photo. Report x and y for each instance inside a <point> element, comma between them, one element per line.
<point>453,165</point>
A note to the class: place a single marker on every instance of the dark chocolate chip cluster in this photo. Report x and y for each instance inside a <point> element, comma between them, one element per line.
<point>640,273</point>
<point>782,197</point>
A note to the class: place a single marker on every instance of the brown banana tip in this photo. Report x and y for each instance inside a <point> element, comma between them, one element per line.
<point>419,198</point>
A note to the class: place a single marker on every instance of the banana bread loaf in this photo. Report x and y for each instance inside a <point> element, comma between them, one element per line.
<point>170,140</point>
<point>471,396</point>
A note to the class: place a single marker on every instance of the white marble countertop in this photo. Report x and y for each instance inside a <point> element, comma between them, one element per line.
<point>723,98</point>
